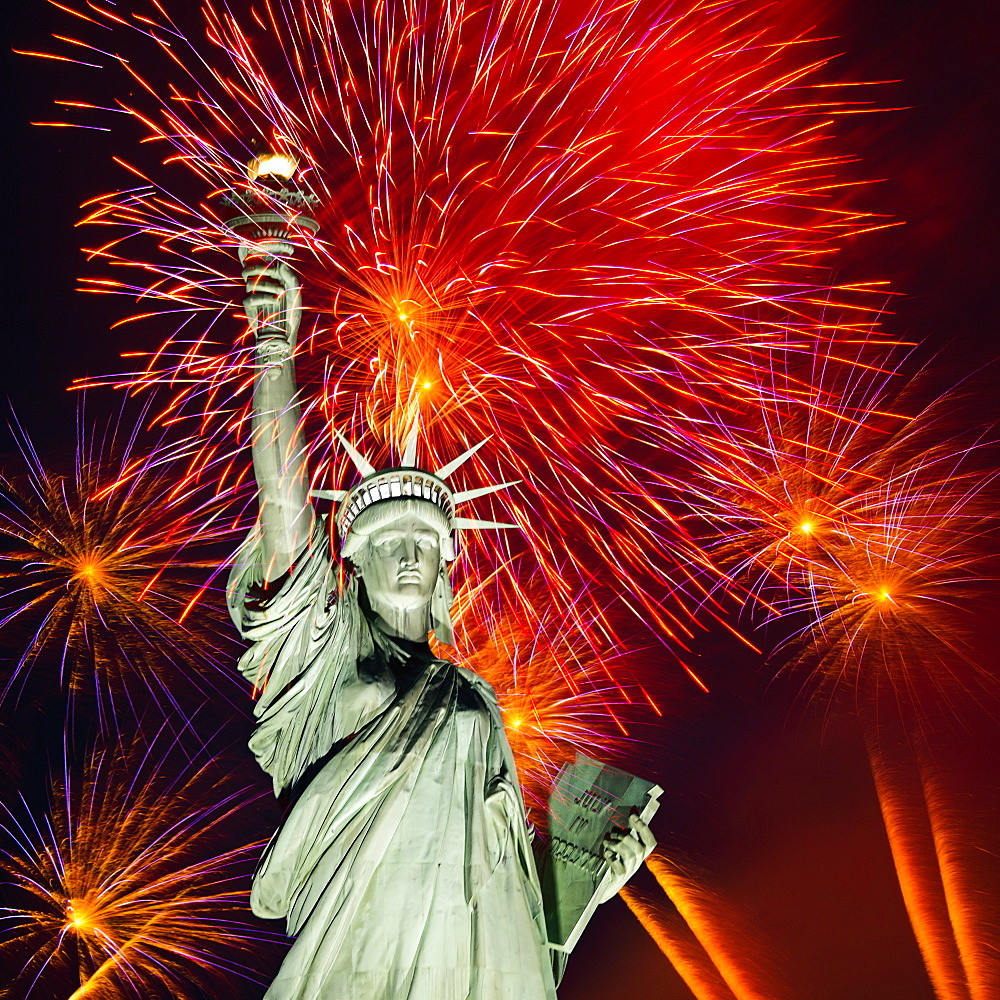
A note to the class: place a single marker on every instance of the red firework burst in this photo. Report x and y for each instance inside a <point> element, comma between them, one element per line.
<point>554,226</point>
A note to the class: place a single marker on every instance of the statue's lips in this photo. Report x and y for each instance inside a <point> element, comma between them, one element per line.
<point>409,578</point>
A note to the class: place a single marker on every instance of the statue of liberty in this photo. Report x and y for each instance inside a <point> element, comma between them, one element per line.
<point>404,869</point>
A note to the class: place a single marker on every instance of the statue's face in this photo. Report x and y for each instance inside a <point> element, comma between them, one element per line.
<point>401,564</point>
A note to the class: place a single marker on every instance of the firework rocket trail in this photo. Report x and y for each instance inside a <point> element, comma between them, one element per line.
<point>723,932</point>
<point>675,939</point>
<point>963,833</point>
<point>904,812</point>
<point>130,883</point>
<point>552,225</point>
<point>941,834</point>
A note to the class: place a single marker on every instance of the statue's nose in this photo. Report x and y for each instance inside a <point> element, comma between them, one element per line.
<point>410,551</point>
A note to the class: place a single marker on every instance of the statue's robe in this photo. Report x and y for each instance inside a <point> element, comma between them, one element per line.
<point>404,869</point>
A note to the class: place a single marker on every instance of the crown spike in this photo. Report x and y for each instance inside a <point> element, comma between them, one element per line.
<point>360,462</point>
<point>410,450</point>
<point>335,495</point>
<point>474,522</point>
<point>446,470</point>
<point>482,491</point>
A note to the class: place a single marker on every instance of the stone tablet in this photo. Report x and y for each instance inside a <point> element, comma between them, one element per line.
<point>589,800</point>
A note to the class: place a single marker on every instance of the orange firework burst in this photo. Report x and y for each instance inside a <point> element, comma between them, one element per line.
<point>871,531</point>
<point>105,566</point>
<point>132,883</point>
<point>869,523</point>
<point>490,255</point>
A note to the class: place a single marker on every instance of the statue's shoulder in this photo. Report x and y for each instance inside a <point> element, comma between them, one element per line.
<point>480,684</point>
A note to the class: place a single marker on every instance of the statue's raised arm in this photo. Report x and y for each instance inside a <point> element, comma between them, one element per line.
<point>274,307</point>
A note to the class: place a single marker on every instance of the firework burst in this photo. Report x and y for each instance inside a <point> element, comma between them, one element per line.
<point>571,228</point>
<point>558,692</point>
<point>105,566</point>
<point>130,882</point>
<point>865,522</point>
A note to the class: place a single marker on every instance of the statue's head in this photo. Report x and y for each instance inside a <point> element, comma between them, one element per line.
<point>400,549</point>
<point>399,528</point>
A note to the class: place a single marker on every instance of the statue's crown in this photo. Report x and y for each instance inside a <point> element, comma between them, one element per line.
<point>408,482</point>
<point>401,483</point>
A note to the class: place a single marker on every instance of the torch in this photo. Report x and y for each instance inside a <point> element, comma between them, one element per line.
<point>271,223</point>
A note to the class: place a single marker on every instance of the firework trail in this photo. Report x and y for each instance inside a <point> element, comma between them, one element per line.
<point>668,929</point>
<point>964,829</point>
<point>740,958</point>
<point>942,827</point>
<point>904,811</point>
<point>552,225</point>
<point>130,882</point>
<point>105,566</point>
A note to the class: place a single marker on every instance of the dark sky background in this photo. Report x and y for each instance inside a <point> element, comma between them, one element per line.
<point>772,796</point>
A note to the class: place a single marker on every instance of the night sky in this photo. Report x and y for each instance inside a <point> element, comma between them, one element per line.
<point>769,794</point>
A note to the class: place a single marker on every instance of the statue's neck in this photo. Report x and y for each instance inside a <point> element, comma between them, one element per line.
<point>409,625</point>
<point>409,654</point>
<point>406,659</point>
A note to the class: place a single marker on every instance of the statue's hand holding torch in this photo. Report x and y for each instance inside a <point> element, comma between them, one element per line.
<point>270,225</point>
<point>273,303</point>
